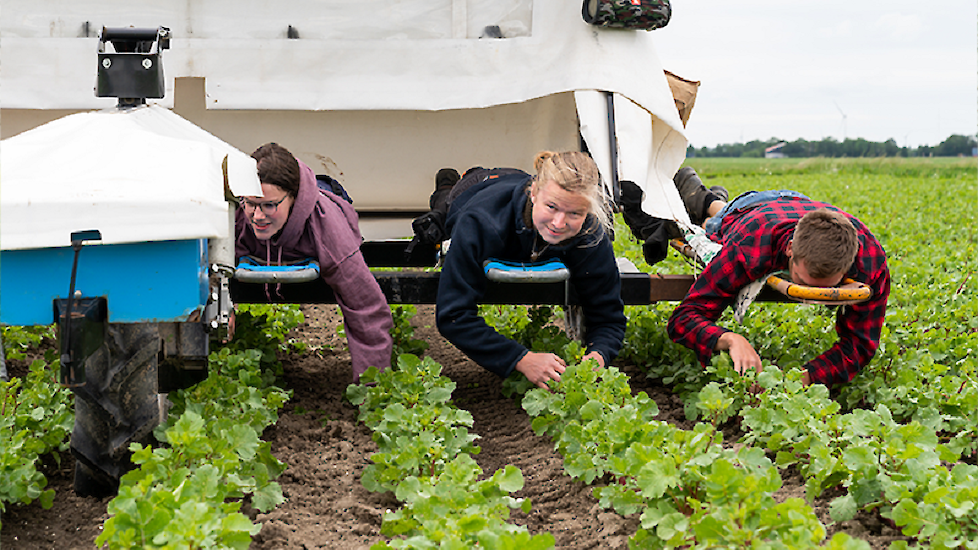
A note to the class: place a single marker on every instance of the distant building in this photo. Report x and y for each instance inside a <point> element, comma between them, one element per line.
<point>775,151</point>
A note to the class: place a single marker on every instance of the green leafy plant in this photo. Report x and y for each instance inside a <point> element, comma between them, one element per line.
<point>691,492</point>
<point>424,457</point>
<point>416,428</point>
<point>403,332</point>
<point>897,469</point>
<point>456,510</point>
<point>188,491</point>
<point>266,327</point>
<point>18,340</point>
<point>36,417</point>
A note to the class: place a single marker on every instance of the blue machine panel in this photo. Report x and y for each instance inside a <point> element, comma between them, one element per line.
<point>142,282</point>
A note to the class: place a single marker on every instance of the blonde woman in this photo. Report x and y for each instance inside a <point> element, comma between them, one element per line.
<point>507,214</point>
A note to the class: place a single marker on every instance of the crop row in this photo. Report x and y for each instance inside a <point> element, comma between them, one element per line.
<point>36,416</point>
<point>899,469</point>
<point>690,491</point>
<point>424,457</point>
<point>189,490</point>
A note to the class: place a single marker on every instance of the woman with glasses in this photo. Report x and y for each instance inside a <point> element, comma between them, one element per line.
<point>293,220</point>
<point>506,214</point>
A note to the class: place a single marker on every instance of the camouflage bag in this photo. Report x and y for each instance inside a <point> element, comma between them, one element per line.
<point>628,14</point>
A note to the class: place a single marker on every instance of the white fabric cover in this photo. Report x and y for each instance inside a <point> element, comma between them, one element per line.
<point>143,174</point>
<point>387,55</point>
<point>647,150</point>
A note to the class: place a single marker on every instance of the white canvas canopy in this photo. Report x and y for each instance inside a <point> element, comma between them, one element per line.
<point>390,56</point>
<point>136,175</point>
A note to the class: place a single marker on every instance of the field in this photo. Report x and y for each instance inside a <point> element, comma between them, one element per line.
<point>925,378</point>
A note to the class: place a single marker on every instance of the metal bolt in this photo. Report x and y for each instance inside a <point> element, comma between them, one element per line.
<point>147,63</point>
<point>106,62</point>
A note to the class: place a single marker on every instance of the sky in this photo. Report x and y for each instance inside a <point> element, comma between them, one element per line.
<point>800,69</point>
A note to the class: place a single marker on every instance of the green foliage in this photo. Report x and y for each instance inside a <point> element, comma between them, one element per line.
<point>690,491</point>
<point>423,456</point>
<point>188,492</point>
<point>944,514</point>
<point>926,368</point>
<point>848,149</point>
<point>234,388</point>
<point>530,326</point>
<point>524,324</point>
<point>456,510</point>
<point>265,327</point>
<point>411,382</point>
<point>416,428</point>
<point>714,404</point>
<point>732,507</point>
<point>17,340</point>
<point>896,468</point>
<point>403,332</point>
<point>36,417</point>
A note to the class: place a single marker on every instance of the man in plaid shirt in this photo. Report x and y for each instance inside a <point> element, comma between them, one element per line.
<point>769,231</point>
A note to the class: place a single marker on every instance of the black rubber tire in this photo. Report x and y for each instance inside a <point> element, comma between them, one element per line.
<point>117,405</point>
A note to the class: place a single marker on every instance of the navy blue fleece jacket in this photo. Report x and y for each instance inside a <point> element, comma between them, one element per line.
<point>488,221</point>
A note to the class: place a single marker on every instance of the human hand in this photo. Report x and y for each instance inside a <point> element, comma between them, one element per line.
<point>806,378</point>
<point>541,368</point>
<point>743,355</point>
<point>596,356</point>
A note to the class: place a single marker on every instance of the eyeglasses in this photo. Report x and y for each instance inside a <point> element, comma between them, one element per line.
<point>267,208</point>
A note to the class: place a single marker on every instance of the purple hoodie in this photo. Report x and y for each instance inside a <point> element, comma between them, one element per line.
<point>324,226</point>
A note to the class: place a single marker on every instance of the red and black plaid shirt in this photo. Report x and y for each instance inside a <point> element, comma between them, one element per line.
<point>755,244</point>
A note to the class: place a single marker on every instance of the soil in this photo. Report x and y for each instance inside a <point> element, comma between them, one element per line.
<point>326,449</point>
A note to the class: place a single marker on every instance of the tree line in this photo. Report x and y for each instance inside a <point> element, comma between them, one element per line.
<point>954,146</point>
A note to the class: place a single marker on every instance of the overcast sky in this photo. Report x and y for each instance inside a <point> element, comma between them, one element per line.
<point>791,69</point>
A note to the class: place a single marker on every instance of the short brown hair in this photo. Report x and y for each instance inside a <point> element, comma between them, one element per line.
<point>826,240</point>
<point>277,166</point>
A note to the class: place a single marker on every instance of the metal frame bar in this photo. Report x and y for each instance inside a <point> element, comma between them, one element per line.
<point>421,287</point>
<point>411,284</point>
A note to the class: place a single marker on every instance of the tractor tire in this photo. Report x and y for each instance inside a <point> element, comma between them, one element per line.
<point>117,405</point>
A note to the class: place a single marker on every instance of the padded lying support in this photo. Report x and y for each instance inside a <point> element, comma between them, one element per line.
<point>250,271</point>
<point>849,291</point>
<point>549,271</point>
